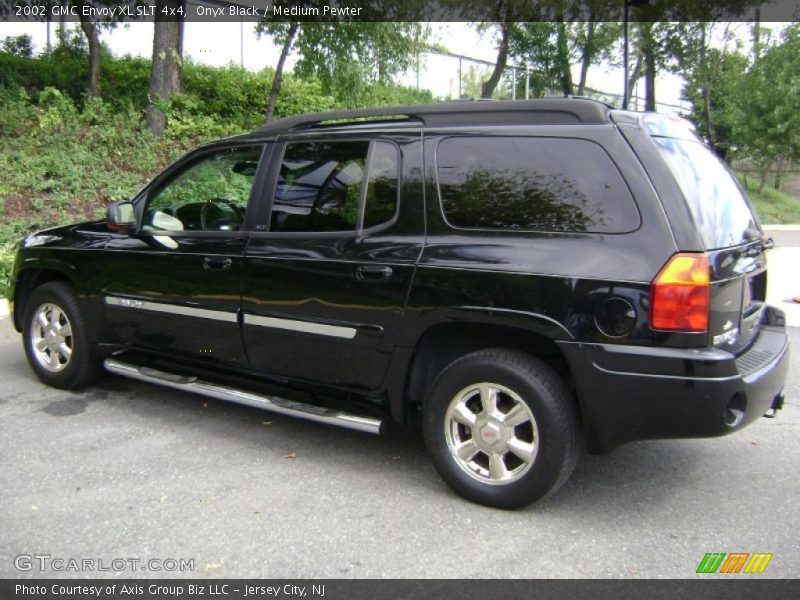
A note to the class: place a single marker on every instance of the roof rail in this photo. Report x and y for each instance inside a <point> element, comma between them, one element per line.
<point>538,111</point>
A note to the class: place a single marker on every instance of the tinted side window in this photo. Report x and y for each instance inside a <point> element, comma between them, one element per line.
<point>210,194</point>
<point>322,186</point>
<point>533,184</point>
<point>382,188</point>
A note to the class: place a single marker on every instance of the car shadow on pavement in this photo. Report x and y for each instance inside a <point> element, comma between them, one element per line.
<point>637,474</point>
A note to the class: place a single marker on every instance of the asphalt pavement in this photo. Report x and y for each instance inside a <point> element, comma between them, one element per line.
<point>128,471</point>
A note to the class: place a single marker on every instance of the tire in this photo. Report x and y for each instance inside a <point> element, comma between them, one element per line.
<point>502,461</point>
<point>55,338</point>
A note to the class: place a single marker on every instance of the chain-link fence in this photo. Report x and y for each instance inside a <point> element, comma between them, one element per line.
<point>454,76</point>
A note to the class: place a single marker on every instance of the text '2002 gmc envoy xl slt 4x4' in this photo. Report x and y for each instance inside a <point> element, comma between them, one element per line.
<point>524,277</point>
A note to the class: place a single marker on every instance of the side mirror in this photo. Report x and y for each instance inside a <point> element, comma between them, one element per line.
<point>120,216</point>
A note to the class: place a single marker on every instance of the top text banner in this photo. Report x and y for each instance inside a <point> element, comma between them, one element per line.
<point>396,10</point>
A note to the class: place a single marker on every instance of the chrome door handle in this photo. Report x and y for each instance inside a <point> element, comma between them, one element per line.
<point>373,272</point>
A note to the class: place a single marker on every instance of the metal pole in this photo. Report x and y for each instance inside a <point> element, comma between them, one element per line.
<point>49,45</point>
<point>514,83</point>
<point>527,82</point>
<point>241,42</point>
<point>459,77</point>
<point>625,56</point>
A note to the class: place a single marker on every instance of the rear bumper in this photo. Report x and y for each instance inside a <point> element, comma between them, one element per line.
<point>631,393</point>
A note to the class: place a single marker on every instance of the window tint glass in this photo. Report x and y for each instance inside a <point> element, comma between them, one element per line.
<point>535,184</point>
<point>319,187</point>
<point>382,188</point>
<point>211,194</point>
<point>720,210</point>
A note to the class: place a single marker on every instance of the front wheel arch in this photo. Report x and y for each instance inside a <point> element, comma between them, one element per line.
<point>56,338</point>
<point>27,281</point>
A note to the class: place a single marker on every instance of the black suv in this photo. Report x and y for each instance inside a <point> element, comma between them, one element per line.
<point>524,276</point>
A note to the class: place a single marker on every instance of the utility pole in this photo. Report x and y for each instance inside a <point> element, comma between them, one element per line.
<point>625,18</point>
<point>625,31</point>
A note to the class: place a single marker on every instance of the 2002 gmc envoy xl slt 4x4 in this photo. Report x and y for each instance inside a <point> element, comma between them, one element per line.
<point>525,277</point>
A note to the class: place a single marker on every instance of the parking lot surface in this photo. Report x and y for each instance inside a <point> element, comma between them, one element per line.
<point>128,470</point>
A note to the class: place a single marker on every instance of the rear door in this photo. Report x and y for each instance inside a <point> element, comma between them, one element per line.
<point>326,277</point>
<point>730,233</point>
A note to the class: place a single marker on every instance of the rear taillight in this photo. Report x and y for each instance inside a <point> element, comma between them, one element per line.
<point>679,298</point>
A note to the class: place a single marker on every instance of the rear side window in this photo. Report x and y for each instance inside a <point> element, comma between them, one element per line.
<point>532,184</point>
<point>720,209</point>
<point>335,186</point>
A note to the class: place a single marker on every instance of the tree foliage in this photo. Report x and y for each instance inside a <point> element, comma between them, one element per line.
<point>347,57</point>
<point>764,112</point>
<point>18,45</point>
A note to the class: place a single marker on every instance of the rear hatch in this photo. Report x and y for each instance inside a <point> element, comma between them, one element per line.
<point>731,234</point>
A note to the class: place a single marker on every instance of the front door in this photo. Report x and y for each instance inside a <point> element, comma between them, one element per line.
<point>176,283</point>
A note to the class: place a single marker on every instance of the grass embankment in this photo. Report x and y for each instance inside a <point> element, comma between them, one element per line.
<point>61,165</point>
<point>773,206</point>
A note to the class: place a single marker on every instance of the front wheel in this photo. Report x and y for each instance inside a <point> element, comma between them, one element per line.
<point>55,338</point>
<point>501,428</point>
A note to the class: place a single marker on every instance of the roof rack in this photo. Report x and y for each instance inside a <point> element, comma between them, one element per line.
<point>538,111</point>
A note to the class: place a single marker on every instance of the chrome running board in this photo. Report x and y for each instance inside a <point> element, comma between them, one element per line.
<point>271,403</point>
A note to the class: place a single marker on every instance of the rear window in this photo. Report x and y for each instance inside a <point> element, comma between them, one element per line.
<point>532,184</point>
<point>720,208</point>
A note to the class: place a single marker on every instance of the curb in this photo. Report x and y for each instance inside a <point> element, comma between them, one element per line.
<point>781,227</point>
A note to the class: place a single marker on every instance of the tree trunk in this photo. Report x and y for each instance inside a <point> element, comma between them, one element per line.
<point>488,87</point>
<point>706,92</point>
<point>635,75</point>
<point>178,73</point>
<point>588,54</point>
<point>756,35</point>
<point>778,175</point>
<point>563,59</point>
<point>276,79</point>
<point>648,53</point>
<point>93,37</point>
<point>764,173</point>
<point>164,72</point>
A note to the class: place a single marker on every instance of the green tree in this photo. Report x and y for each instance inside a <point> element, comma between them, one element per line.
<point>593,42</point>
<point>503,32</point>
<point>712,75</point>
<point>764,110</point>
<point>346,57</point>
<point>18,45</point>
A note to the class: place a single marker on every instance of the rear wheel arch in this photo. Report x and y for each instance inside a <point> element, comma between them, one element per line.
<point>501,427</point>
<point>441,345</point>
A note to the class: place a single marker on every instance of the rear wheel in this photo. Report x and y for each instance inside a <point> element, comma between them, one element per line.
<point>56,343</point>
<point>500,427</point>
